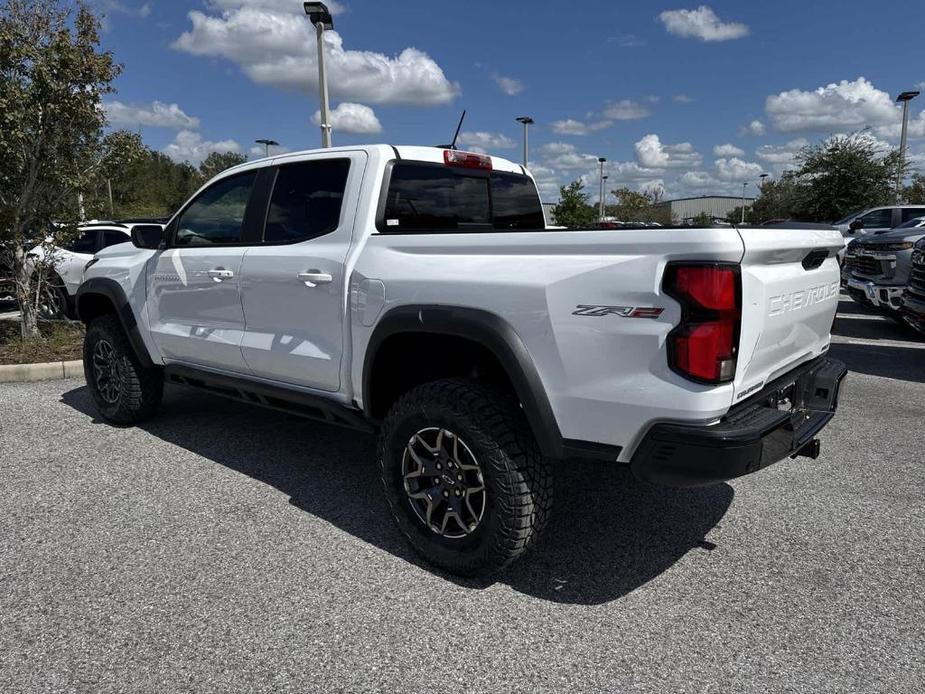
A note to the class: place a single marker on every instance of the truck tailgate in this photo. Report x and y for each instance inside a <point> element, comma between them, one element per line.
<point>790,286</point>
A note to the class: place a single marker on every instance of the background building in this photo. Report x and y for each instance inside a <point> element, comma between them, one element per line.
<point>683,210</point>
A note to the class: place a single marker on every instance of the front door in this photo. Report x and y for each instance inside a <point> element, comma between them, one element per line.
<point>294,282</point>
<point>194,298</point>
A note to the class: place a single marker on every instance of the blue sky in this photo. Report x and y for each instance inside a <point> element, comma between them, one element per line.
<point>693,98</point>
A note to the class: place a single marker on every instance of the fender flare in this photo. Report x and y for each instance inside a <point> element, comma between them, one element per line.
<point>493,333</point>
<point>115,294</point>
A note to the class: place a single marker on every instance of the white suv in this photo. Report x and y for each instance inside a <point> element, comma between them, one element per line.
<point>66,269</point>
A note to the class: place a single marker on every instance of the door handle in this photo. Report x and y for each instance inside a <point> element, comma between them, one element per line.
<point>313,278</point>
<point>218,274</point>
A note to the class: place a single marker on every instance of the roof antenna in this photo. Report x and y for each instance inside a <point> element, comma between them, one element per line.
<point>452,145</point>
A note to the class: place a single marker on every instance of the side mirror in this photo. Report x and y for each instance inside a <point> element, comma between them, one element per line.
<point>856,224</point>
<point>147,235</point>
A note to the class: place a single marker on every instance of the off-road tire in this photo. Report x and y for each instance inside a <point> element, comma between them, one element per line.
<point>517,477</point>
<point>141,389</point>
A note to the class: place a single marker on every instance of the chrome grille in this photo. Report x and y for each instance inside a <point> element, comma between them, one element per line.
<point>864,265</point>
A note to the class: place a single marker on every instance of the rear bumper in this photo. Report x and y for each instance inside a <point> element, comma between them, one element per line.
<point>779,421</point>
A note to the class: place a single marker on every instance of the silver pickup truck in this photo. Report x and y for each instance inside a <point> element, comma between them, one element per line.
<point>877,266</point>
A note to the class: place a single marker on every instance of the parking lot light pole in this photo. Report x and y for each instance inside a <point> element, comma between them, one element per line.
<point>601,161</point>
<point>604,197</point>
<point>527,122</point>
<point>266,144</point>
<point>904,98</point>
<point>320,17</point>
<point>744,186</point>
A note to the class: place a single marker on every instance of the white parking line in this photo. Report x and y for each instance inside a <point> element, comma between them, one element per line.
<point>853,316</point>
<point>836,340</point>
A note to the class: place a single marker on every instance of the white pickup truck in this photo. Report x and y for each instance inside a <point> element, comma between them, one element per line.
<point>414,292</point>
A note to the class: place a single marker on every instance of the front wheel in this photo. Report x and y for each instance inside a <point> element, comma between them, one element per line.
<point>124,391</point>
<point>463,476</point>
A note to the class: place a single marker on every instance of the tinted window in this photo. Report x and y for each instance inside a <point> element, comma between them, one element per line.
<point>111,237</point>
<point>216,216</point>
<point>85,243</point>
<point>878,219</point>
<point>306,200</point>
<point>515,203</point>
<point>912,213</point>
<point>436,198</point>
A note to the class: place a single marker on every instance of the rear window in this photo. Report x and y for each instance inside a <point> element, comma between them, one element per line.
<point>912,213</point>
<point>435,198</point>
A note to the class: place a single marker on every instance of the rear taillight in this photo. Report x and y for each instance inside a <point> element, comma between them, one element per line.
<point>704,345</point>
<point>466,160</point>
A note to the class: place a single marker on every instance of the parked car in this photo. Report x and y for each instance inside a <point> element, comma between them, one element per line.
<point>415,292</point>
<point>913,304</point>
<point>66,274</point>
<point>875,219</point>
<point>877,266</point>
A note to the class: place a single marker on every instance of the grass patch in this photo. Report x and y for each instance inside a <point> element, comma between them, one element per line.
<point>60,341</point>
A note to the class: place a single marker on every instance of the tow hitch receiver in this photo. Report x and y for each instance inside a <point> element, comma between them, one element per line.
<point>809,450</point>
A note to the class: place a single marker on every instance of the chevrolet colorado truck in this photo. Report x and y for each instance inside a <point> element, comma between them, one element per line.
<point>414,292</point>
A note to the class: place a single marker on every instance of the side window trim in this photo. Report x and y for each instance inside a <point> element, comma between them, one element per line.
<point>264,218</point>
<point>245,231</point>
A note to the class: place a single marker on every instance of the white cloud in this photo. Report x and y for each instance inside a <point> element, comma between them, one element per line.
<point>189,146</point>
<point>728,150</point>
<point>351,118</point>
<point>698,181</point>
<point>756,127</point>
<point>560,155</point>
<point>508,85</point>
<point>273,43</point>
<point>652,154</point>
<point>839,105</point>
<point>570,126</point>
<point>702,24</point>
<point>682,99</point>
<point>485,141</point>
<point>781,154</point>
<point>155,114</point>
<point>625,109</point>
<point>736,169</point>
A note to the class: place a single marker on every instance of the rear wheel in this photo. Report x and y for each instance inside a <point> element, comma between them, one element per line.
<point>463,476</point>
<point>124,391</point>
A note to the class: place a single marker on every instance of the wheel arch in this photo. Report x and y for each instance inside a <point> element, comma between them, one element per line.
<point>483,328</point>
<point>99,296</point>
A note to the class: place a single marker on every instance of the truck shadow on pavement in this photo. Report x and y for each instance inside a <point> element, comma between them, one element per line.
<point>609,533</point>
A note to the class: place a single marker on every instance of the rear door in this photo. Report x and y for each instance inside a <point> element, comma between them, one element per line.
<point>294,281</point>
<point>790,286</point>
<point>194,299</point>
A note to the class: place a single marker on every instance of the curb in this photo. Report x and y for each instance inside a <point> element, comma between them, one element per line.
<point>27,373</point>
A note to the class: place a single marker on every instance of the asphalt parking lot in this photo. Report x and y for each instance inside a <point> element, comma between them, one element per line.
<point>224,548</point>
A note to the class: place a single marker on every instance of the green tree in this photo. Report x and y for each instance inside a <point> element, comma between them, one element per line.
<point>144,183</point>
<point>702,220</point>
<point>777,200</point>
<point>217,162</point>
<point>52,76</point>
<point>914,193</point>
<point>842,174</point>
<point>573,209</point>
